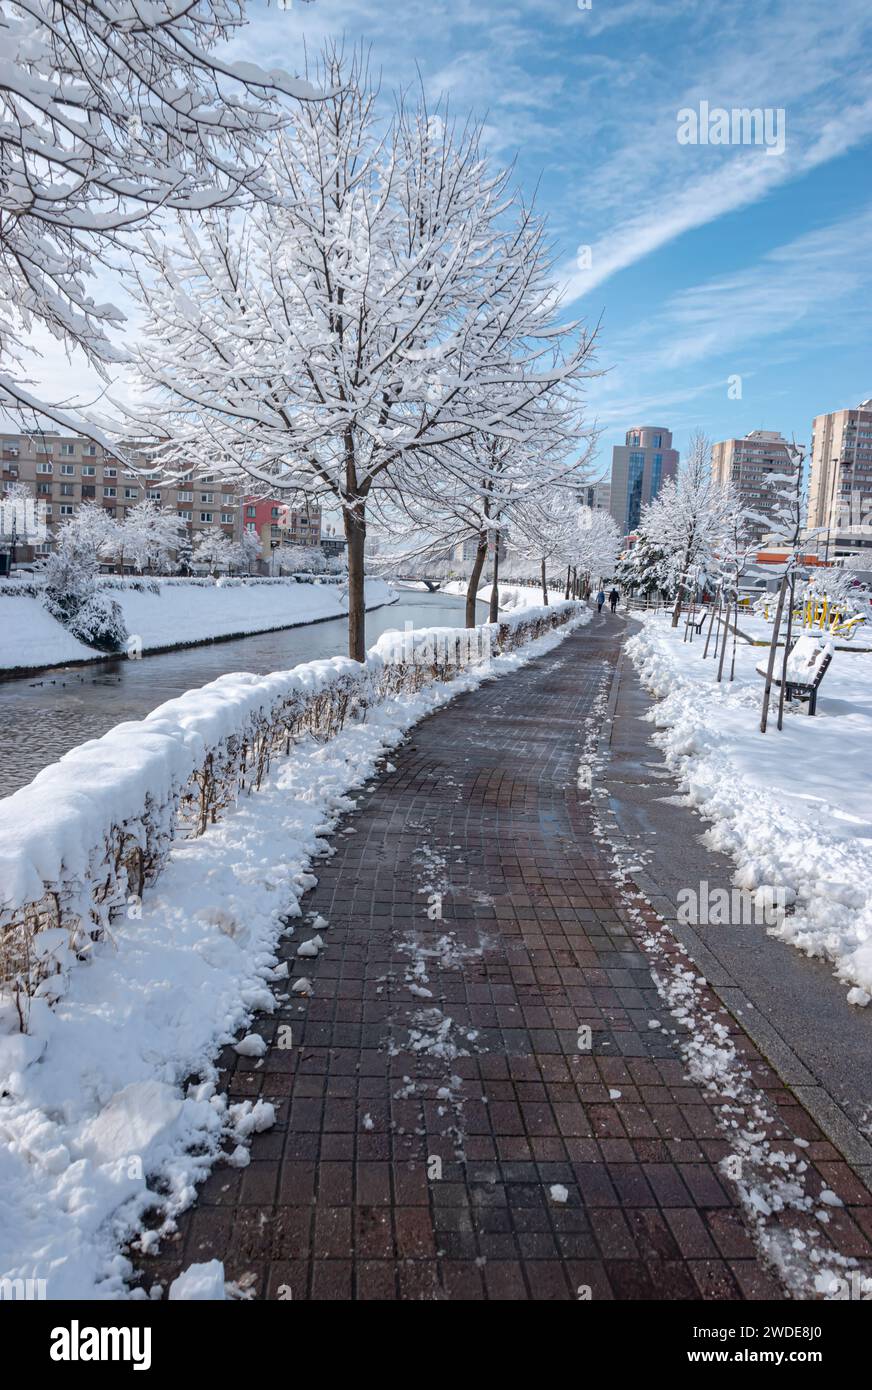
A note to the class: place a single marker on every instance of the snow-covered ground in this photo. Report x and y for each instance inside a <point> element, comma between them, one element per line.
<point>95,1110</point>
<point>794,809</point>
<point>178,615</point>
<point>512,596</point>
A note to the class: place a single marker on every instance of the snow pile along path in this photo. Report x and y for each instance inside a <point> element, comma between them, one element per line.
<point>99,1123</point>
<point>794,809</point>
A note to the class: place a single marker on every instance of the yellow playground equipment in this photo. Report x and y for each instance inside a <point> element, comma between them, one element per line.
<point>817,612</point>
<point>820,613</point>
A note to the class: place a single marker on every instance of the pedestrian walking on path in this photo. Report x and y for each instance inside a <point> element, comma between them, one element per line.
<point>600,600</point>
<point>613,599</point>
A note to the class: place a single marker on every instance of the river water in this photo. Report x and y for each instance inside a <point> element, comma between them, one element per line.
<point>43,716</point>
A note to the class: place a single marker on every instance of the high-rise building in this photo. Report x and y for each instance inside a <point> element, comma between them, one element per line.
<point>640,467</point>
<point>840,479</point>
<point>751,466</point>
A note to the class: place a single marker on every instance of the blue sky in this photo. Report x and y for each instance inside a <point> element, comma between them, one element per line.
<point>706,262</point>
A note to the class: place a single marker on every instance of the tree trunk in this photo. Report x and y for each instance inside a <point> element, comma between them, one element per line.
<point>682,586</point>
<point>475,579</point>
<point>355,535</point>
<point>544,583</point>
<point>568,580</point>
<point>494,613</point>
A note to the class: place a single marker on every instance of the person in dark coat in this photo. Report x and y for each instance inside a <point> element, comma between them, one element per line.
<point>613,599</point>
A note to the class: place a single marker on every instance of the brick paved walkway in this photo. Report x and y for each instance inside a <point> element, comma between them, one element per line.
<point>451,1046</point>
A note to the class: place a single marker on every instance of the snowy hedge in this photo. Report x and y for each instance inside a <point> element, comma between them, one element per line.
<point>89,835</point>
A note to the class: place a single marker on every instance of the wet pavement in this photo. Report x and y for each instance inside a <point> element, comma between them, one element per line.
<point>484,1097</point>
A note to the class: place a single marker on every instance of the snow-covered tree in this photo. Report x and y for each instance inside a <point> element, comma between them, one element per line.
<point>21,521</point>
<point>150,536</point>
<point>95,531</point>
<point>299,559</point>
<point>110,112</point>
<point>488,487</point>
<point>686,521</point>
<point>395,303</point>
<point>551,534</point>
<point>247,551</point>
<point>71,594</point>
<point>644,567</point>
<point>597,547</point>
<point>214,550</point>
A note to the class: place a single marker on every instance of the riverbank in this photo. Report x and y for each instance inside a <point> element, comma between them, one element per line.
<point>166,616</point>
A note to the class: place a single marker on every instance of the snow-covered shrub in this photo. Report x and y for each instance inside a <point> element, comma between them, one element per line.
<point>99,621</point>
<point>71,593</point>
<point>92,832</point>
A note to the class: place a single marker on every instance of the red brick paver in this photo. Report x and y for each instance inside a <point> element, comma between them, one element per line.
<point>419,1136</point>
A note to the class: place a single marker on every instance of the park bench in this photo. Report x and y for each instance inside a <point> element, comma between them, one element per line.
<point>807,664</point>
<point>695,618</point>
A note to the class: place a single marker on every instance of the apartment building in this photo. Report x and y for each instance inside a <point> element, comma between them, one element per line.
<point>840,479</point>
<point>63,471</point>
<point>640,467</point>
<point>278,524</point>
<point>751,465</point>
<point>597,496</point>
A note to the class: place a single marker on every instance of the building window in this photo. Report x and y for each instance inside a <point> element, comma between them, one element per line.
<point>206,518</point>
<point>88,470</point>
<point>90,451</point>
<point>656,475</point>
<point>657,441</point>
<point>68,490</point>
<point>633,439</point>
<point>88,490</point>
<point>186,516</point>
<point>66,509</point>
<point>110,472</point>
<point>68,470</point>
<point>43,489</point>
<point>251,512</point>
<point>44,468</point>
<point>226,518</point>
<point>131,493</point>
<point>110,492</point>
<point>207,497</point>
<point>68,450</point>
<point>183,496</point>
<point>227,499</point>
<point>634,489</point>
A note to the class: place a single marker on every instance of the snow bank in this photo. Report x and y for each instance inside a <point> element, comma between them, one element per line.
<point>169,614</point>
<point>31,637</point>
<point>794,809</point>
<point>97,1113</point>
